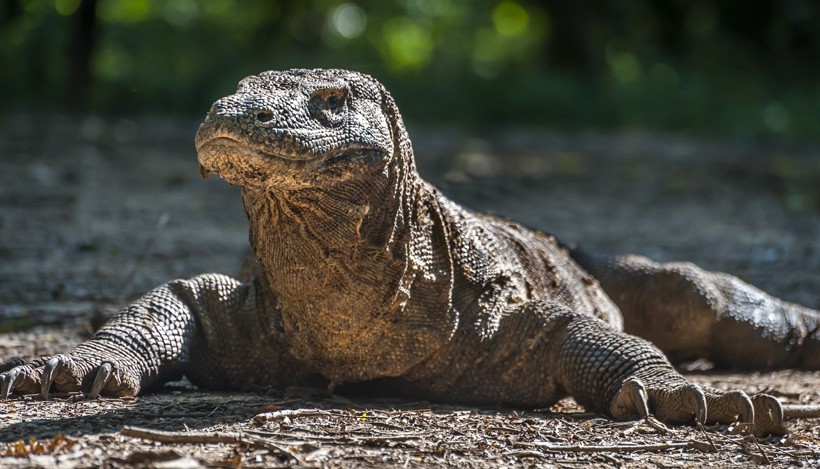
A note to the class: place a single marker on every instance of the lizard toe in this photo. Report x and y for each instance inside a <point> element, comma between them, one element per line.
<point>22,379</point>
<point>632,401</point>
<point>102,378</point>
<point>7,381</point>
<point>729,406</point>
<point>10,373</point>
<point>68,373</point>
<point>683,403</point>
<point>114,380</point>
<point>768,419</point>
<point>72,373</point>
<point>62,372</point>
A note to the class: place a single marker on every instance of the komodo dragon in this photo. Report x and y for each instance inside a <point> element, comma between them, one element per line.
<point>362,272</point>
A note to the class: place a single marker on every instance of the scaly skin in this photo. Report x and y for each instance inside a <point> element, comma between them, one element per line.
<point>364,273</point>
<point>714,316</point>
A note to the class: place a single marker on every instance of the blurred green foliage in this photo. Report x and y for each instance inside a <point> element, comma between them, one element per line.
<point>746,69</point>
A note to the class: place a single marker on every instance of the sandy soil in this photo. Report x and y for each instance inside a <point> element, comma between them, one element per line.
<point>95,212</point>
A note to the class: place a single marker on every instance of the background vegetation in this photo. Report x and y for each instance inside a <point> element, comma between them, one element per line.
<point>745,69</point>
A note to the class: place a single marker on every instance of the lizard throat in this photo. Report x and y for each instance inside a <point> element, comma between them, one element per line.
<point>339,264</point>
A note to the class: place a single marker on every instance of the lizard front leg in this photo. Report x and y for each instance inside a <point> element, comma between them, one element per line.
<point>178,328</point>
<point>540,352</point>
<point>628,377</point>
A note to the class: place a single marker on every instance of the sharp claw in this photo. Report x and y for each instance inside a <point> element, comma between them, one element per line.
<point>699,398</point>
<point>7,386</point>
<point>103,376</point>
<point>639,396</point>
<point>747,414</point>
<point>48,376</point>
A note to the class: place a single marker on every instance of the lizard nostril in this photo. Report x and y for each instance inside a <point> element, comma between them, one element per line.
<point>264,116</point>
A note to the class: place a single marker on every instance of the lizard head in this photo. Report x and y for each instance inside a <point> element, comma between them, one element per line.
<point>299,129</point>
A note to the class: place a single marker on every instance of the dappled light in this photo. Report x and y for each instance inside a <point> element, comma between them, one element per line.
<point>712,67</point>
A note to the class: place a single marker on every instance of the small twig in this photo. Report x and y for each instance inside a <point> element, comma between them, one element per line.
<point>526,454</point>
<point>168,406</point>
<point>633,425</point>
<point>504,429</point>
<point>152,415</point>
<point>760,448</point>
<point>266,417</point>
<point>381,439</point>
<point>309,436</point>
<point>218,407</point>
<point>692,444</point>
<point>386,425</point>
<point>348,437</point>
<point>206,438</point>
<point>421,410</point>
<point>656,424</point>
<point>632,428</point>
<point>708,438</point>
<point>577,415</point>
<point>179,437</point>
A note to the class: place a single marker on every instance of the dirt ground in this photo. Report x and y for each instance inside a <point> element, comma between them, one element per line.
<point>95,212</point>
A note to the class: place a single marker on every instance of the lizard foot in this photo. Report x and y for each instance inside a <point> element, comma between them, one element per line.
<point>684,402</point>
<point>674,403</point>
<point>66,373</point>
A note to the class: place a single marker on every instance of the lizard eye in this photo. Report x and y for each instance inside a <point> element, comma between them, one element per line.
<point>332,101</point>
<point>328,105</point>
<point>264,116</point>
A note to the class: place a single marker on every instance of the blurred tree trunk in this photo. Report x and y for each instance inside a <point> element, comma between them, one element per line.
<point>570,46</point>
<point>674,39</point>
<point>81,51</point>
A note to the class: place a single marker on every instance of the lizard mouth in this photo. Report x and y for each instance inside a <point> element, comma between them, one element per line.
<point>237,146</point>
<point>281,162</point>
<point>236,161</point>
<point>223,145</point>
